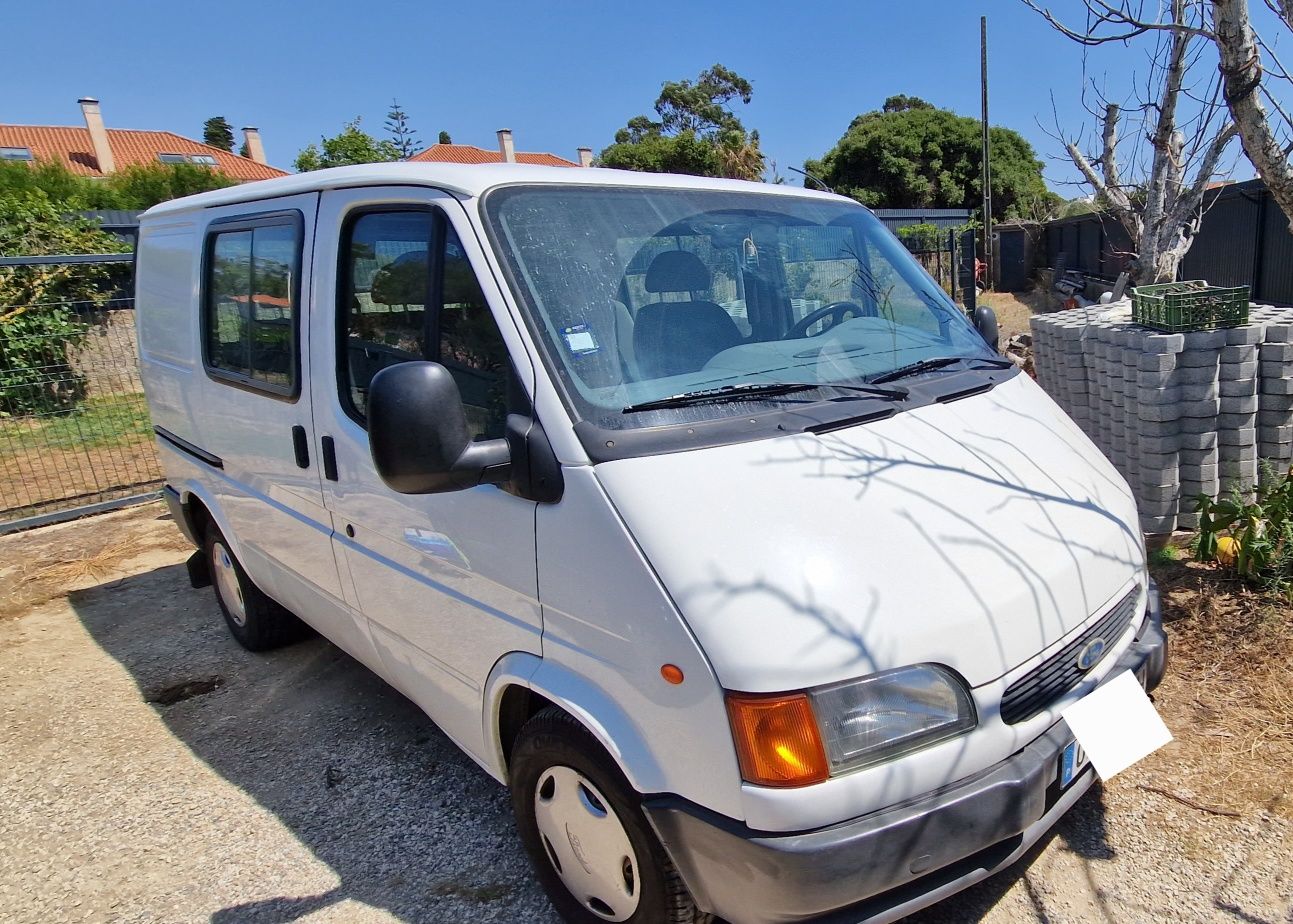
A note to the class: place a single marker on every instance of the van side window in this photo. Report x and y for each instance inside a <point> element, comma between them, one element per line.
<point>409,293</point>
<point>250,327</point>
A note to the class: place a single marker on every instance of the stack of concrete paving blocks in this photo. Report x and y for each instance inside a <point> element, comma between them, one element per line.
<point>1179,415</point>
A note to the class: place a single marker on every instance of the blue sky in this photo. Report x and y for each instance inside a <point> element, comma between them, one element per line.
<point>560,75</point>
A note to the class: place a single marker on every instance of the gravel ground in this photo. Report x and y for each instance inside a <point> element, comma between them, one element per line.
<point>297,786</point>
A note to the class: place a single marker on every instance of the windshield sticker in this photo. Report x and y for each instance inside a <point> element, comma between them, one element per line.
<point>580,340</point>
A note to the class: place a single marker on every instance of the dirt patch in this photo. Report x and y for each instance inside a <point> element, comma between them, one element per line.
<point>39,565</point>
<point>173,693</point>
<point>1228,695</point>
<point>1013,309</point>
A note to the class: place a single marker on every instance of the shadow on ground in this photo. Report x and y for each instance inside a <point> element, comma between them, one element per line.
<point>362,777</point>
<point>355,771</point>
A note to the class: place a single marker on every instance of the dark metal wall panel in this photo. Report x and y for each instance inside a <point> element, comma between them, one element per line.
<point>1275,279</point>
<point>1090,244</point>
<point>1222,252</point>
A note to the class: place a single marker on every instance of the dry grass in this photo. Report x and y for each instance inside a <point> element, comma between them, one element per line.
<point>1229,691</point>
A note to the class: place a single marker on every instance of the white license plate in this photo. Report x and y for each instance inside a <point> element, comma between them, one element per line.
<point>1072,762</point>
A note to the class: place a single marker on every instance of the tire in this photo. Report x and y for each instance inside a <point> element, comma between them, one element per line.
<point>563,780</point>
<point>256,621</point>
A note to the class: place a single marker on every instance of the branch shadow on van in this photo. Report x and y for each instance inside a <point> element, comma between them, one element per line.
<point>355,772</point>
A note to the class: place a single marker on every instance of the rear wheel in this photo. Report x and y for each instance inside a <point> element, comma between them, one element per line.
<point>256,621</point>
<point>583,828</point>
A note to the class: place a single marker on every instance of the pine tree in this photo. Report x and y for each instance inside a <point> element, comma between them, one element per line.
<point>402,136</point>
<point>218,133</point>
<point>444,138</point>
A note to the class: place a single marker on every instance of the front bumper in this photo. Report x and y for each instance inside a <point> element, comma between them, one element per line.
<point>888,864</point>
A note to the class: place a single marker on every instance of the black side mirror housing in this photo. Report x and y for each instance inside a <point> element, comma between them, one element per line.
<point>418,434</point>
<point>985,322</point>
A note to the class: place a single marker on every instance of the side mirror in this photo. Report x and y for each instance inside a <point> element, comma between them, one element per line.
<point>985,322</point>
<point>417,433</point>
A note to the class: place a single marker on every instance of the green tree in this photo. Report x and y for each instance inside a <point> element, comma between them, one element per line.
<point>444,138</point>
<point>911,155</point>
<point>352,145</point>
<point>139,186</point>
<point>218,133</point>
<point>696,131</point>
<point>402,135</point>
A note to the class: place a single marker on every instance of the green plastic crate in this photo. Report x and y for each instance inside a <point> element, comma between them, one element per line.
<point>1193,305</point>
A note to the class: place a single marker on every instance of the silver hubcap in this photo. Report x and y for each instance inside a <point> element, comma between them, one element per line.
<point>227,583</point>
<point>586,844</point>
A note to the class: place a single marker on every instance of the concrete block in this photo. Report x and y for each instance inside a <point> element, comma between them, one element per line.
<point>1152,428</point>
<point>1245,353</point>
<point>1279,434</point>
<point>1160,412</point>
<point>1276,402</point>
<point>1162,508</point>
<point>1156,362</point>
<point>1157,526</point>
<point>1208,391</point>
<point>1236,436</point>
<point>1275,451</point>
<point>1276,352</point>
<point>1200,407</point>
<point>1236,387</point>
<point>1204,339</point>
<point>1187,520</point>
<point>1236,468</point>
<point>1239,404</point>
<point>1196,426</point>
<point>1236,423</point>
<point>1279,333</point>
<point>1192,488</point>
<point>1249,333</point>
<point>1171,395</point>
<point>1194,359</point>
<point>1245,452</point>
<point>1157,444</point>
<point>1277,386</point>
<point>1198,458</point>
<point>1244,370</point>
<point>1164,343</point>
<point>1275,369</point>
<point>1155,378</point>
<point>1204,440</point>
<point>1194,375</point>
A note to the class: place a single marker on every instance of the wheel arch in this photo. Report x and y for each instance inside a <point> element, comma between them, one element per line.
<point>522,683</point>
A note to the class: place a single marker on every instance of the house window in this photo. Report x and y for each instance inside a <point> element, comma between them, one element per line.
<point>15,154</point>
<point>205,160</point>
<point>251,302</point>
<point>172,158</point>
<point>409,293</point>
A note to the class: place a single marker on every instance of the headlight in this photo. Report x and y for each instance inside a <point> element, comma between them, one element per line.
<point>879,717</point>
<point>796,739</point>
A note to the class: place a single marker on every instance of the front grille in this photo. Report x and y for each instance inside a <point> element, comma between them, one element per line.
<point>1060,673</point>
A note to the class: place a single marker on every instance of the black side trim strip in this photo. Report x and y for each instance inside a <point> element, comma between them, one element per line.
<point>185,446</point>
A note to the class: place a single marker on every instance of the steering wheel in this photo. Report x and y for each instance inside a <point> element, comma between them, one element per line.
<point>836,311</point>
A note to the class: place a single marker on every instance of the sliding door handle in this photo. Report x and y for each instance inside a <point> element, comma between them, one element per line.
<point>301,446</point>
<point>329,458</point>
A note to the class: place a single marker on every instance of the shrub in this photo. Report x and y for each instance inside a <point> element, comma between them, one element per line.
<point>1253,537</point>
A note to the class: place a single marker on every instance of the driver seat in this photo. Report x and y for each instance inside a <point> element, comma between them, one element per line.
<point>674,337</point>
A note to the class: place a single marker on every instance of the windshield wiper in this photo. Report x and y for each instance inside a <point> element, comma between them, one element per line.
<point>757,390</point>
<point>938,362</point>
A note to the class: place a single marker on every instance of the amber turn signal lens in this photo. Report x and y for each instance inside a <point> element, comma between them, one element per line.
<point>777,741</point>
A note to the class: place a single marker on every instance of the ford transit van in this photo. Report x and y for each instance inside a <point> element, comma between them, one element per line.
<point>692,510</point>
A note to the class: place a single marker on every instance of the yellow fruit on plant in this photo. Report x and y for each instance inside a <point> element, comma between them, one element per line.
<point>1227,550</point>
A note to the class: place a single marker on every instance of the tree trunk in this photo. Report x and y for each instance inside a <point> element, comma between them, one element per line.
<point>1241,68</point>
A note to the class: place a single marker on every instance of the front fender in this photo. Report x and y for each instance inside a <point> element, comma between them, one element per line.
<point>587,702</point>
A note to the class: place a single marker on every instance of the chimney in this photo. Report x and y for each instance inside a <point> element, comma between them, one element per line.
<point>255,150</point>
<point>585,157</point>
<point>505,146</point>
<point>98,134</point>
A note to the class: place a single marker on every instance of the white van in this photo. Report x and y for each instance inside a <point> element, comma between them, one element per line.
<point>692,510</point>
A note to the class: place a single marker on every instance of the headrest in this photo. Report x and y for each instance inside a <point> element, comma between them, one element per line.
<point>677,271</point>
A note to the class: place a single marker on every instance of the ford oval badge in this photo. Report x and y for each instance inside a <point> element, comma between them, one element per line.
<point>1090,654</point>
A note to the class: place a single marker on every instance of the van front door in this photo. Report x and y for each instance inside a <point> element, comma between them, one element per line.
<point>446,581</point>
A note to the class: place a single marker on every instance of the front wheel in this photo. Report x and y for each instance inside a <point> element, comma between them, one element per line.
<point>583,828</point>
<point>255,620</point>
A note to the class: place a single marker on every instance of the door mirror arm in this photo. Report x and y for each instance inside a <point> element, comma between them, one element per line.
<point>535,471</point>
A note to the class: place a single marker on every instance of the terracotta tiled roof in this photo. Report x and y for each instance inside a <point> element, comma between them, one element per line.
<point>470,154</point>
<point>71,145</point>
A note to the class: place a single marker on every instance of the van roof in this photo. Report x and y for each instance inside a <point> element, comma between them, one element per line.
<point>469,180</point>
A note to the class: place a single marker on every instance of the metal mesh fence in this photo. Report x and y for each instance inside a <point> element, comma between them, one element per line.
<point>74,426</point>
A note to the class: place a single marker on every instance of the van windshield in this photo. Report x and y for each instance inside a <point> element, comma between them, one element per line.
<point>642,295</point>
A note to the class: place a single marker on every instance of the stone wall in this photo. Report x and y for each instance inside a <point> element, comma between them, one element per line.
<point>1178,414</point>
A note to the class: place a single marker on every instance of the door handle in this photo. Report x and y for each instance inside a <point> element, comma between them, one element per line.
<point>301,447</point>
<point>329,458</point>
